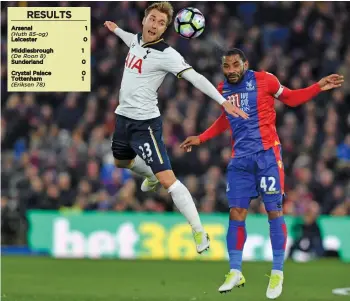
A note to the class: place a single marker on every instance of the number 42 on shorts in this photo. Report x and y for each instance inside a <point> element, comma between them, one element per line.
<point>268,185</point>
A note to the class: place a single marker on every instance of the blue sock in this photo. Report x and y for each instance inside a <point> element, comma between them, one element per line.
<point>236,237</point>
<point>278,236</point>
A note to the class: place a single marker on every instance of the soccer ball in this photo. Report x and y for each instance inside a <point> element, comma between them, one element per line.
<point>189,23</point>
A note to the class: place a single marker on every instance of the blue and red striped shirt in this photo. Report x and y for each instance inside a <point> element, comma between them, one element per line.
<point>255,94</point>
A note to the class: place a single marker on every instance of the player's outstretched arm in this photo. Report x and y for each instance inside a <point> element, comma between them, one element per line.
<point>297,97</point>
<point>124,35</point>
<point>173,62</point>
<point>205,86</point>
<point>219,126</point>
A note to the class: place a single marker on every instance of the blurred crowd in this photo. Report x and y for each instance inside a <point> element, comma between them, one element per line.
<point>56,146</point>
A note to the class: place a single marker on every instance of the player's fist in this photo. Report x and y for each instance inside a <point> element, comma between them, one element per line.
<point>331,81</point>
<point>189,142</point>
<point>233,110</point>
<point>111,26</point>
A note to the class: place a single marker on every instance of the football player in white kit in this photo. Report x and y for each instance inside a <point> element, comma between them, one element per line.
<point>137,142</point>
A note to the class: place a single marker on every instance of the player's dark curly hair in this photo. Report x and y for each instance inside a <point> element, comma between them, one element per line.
<point>235,51</point>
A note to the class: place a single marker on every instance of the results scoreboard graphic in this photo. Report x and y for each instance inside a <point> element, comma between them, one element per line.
<point>49,49</point>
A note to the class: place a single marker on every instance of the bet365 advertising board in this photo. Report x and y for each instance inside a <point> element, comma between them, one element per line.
<point>161,236</point>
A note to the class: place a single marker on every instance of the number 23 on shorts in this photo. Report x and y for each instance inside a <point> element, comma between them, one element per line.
<point>146,152</point>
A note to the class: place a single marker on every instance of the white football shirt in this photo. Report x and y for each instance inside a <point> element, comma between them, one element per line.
<point>146,66</point>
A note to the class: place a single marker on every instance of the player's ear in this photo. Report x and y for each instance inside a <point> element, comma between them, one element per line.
<point>143,20</point>
<point>246,65</point>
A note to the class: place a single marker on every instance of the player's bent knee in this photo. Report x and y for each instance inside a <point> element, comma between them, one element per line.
<point>238,214</point>
<point>166,178</point>
<point>122,163</point>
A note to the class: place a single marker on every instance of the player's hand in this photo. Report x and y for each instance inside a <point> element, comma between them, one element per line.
<point>331,81</point>
<point>233,110</point>
<point>189,142</point>
<point>111,26</point>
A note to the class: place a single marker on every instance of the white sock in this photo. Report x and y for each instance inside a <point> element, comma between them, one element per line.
<point>277,272</point>
<point>236,271</point>
<point>141,168</point>
<point>184,202</point>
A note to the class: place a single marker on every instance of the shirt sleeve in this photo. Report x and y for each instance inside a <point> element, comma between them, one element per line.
<point>219,126</point>
<point>127,37</point>
<point>203,85</point>
<point>174,62</point>
<point>274,87</point>
<point>289,97</point>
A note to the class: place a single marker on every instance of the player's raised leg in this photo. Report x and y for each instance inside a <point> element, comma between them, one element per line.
<point>126,157</point>
<point>139,166</point>
<point>147,142</point>
<point>271,178</point>
<point>184,202</point>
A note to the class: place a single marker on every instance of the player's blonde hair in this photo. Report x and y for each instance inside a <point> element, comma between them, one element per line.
<point>164,7</point>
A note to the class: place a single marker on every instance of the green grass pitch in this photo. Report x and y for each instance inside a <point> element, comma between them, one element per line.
<point>47,279</point>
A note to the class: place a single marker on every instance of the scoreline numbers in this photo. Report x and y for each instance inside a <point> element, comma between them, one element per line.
<point>49,49</point>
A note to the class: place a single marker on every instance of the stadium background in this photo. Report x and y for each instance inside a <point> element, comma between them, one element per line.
<point>55,147</point>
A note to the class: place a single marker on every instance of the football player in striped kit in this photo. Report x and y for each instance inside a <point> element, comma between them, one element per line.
<point>256,166</point>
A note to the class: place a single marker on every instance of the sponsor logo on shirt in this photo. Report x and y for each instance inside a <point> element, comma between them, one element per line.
<point>133,62</point>
<point>240,100</point>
